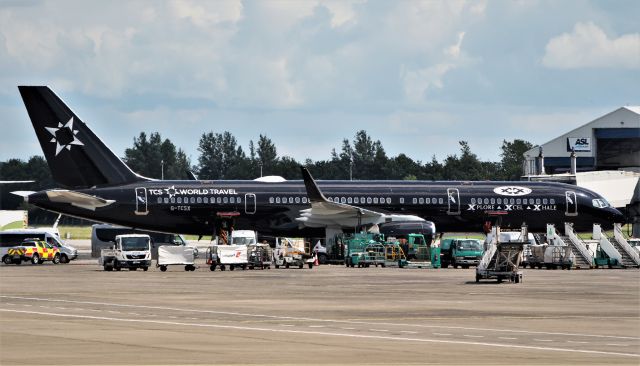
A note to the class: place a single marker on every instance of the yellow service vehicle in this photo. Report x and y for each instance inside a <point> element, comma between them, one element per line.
<point>36,251</point>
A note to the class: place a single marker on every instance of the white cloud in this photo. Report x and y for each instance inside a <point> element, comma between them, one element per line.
<point>417,82</point>
<point>588,46</point>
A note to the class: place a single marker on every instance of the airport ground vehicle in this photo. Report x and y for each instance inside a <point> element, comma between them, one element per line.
<point>353,245</point>
<point>465,252</point>
<point>259,256</point>
<point>289,252</point>
<point>501,259</point>
<point>244,237</point>
<point>103,236</point>
<point>227,255</point>
<point>169,255</point>
<point>131,251</point>
<point>15,237</point>
<point>34,250</point>
<point>445,251</point>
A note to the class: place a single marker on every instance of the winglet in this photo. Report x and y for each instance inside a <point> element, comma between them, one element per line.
<point>314,193</point>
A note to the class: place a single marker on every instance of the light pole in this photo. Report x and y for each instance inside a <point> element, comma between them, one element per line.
<point>162,169</point>
<point>260,169</point>
<point>350,166</point>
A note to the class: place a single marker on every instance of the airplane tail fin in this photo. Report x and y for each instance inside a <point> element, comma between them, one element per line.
<point>76,156</point>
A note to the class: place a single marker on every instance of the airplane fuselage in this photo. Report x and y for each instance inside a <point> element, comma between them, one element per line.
<point>193,207</point>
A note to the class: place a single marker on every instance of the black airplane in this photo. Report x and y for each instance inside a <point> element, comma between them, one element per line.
<point>97,185</point>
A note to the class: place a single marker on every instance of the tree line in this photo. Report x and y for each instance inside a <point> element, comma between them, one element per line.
<point>222,157</point>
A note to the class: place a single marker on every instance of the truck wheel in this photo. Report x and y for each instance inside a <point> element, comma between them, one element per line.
<point>163,268</point>
<point>35,259</point>
<point>477,278</point>
<point>145,268</point>
<point>286,265</point>
<point>301,265</point>
<point>517,279</point>
<point>116,265</point>
<point>244,267</point>
<point>465,266</point>
<point>310,265</point>
<point>7,260</point>
<point>277,266</point>
<point>222,267</point>
<point>212,267</point>
<point>232,267</point>
<point>322,259</point>
<point>382,265</point>
<point>499,279</point>
<point>56,259</point>
<point>64,258</point>
<point>108,268</point>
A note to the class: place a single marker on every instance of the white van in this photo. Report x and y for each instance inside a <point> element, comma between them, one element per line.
<point>244,237</point>
<point>15,237</point>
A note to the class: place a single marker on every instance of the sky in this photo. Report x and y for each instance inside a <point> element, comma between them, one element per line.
<point>418,76</point>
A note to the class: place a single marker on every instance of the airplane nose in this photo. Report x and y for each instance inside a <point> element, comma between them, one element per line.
<point>617,216</point>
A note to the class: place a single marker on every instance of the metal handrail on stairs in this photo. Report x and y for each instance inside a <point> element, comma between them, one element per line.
<point>617,234</point>
<point>578,243</point>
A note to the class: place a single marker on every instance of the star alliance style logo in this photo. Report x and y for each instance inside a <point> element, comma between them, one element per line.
<point>171,191</point>
<point>64,136</point>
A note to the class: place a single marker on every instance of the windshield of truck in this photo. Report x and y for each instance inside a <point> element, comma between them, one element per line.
<point>469,245</point>
<point>135,243</point>
<point>177,240</point>
<point>239,240</point>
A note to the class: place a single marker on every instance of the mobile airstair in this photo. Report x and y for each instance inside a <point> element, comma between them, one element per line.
<point>501,260</point>
<point>581,254</point>
<point>616,248</point>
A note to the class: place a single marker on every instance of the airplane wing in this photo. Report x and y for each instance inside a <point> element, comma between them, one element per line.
<point>78,199</point>
<point>324,213</point>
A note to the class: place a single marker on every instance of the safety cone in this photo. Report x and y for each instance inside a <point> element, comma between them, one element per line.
<point>315,259</point>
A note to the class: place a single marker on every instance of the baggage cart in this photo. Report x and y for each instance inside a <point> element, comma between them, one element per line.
<point>170,255</point>
<point>259,256</point>
<point>224,256</point>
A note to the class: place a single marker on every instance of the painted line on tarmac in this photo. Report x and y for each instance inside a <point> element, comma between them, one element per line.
<point>346,335</point>
<point>311,319</point>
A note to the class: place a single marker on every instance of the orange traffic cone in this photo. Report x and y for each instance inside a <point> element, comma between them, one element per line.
<point>315,259</point>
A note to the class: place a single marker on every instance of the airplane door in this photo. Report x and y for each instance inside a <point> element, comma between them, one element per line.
<point>571,203</point>
<point>453,201</point>
<point>250,203</point>
<point>141,201</point>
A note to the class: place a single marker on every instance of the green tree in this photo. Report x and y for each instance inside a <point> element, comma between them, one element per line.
<point>513,158</point>
<point>221,157</point>
<point>156,158</point>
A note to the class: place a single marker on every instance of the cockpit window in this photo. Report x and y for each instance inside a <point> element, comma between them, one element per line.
<point>600,203</point>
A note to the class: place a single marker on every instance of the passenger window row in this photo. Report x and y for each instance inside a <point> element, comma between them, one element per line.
<point>186,200</point>
<point>427,201</point>
<point>513,201</point>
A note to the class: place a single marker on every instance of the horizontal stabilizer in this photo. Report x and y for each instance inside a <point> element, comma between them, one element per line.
<point>78,199</point>
<point>325,213</point>
<point>23,194</point>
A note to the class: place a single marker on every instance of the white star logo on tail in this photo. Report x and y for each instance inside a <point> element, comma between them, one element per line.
<point>73,140</point>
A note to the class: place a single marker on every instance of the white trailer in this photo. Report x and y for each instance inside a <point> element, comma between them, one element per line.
<point>227,255</point>
<point>169,255</point>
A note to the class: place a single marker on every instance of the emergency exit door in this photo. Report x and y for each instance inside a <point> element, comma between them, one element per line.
<point>141,201</point>
<point>453,201</point>
<point>571,203</point>
<point>250,203</point>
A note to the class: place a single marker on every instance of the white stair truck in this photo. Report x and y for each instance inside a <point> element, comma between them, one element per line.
<point>131,251</point>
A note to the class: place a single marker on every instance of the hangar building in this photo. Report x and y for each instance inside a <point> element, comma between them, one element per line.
<point>606,160</point>
<point>611,142</point>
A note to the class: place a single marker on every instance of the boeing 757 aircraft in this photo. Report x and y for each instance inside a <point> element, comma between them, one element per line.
<point>95,184</point>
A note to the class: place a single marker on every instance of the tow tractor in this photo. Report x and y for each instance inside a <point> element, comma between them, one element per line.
<point>290,253</point>
<point>259,256</point>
